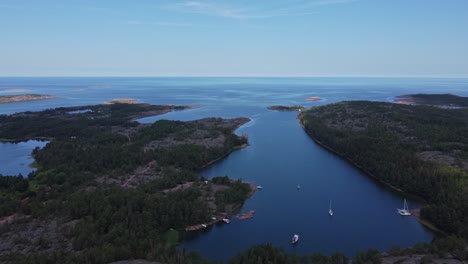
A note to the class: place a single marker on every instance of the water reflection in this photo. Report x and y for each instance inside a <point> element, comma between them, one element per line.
<point>15,158</point>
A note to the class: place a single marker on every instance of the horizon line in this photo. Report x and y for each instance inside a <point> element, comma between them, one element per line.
<point>240,76</point>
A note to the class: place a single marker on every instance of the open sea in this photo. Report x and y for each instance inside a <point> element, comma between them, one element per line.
<point>280,156</point>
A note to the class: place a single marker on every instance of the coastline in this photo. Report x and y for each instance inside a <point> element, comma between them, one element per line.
<point>247,120</point>
<point>320,143</point>
<point>425,223</point>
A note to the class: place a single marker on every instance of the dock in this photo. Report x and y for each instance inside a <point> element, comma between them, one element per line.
<point>215,219</point>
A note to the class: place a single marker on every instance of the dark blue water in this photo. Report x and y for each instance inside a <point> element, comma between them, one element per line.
<point>280,156</point>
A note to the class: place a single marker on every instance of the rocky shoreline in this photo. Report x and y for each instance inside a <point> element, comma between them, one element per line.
<point>24,97</point>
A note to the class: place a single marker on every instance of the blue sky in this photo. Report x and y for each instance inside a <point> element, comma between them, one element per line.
<point>234,38</point>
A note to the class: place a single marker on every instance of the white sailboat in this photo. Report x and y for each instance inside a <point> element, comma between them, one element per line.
<point>405,211</point>
<point>330,211</point>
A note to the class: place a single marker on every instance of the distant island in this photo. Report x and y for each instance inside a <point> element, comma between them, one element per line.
<point>24,97</point>
<point>122,101</point>
<point>441,100</point>
<point>286,108</point>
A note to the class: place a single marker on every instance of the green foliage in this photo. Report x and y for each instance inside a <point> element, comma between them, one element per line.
<point>267,253</point>
<point>117,224</point>
<point>235,194</point>
<point>12,190</point>
<point>221,180</point>
<point>14,183</point>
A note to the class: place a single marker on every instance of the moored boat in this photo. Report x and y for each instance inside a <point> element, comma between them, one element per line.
<point>405,211</point>
<point>295,239</point>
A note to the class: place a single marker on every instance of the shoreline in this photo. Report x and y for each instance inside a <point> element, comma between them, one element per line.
<point>247,120</point>
<point>321,144</point>
<point>221,215</point>
<point>423,222</point>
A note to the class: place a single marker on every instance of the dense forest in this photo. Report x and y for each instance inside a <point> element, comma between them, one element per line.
<point>108,188</point>
<point>435,252</point>
<point>421,150</point>
<point>442,100</point>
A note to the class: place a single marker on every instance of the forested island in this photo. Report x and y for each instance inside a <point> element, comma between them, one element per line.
<point>286,108</point>
<point>24,97</point>
<point>420,150</point>
<point>441,100</point>
<point>108,188</point>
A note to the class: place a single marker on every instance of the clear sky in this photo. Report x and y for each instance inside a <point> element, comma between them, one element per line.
<point>234,38</point>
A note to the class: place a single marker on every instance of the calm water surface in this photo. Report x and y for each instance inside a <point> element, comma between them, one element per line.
<point>15,158</point>
<point>280,156</point>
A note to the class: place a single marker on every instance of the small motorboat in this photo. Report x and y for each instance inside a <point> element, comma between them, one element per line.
<point>259,187</point>
<point>226,220</point>
<point>295,238</point>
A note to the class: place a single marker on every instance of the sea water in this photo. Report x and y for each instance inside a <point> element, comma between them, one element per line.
<point>280,156</point>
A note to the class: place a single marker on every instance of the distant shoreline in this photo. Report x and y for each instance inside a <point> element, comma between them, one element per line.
<point>24,97</point>
<point>449,101</point>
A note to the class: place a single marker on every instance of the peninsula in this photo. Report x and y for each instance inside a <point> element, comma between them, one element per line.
<point>24,97</point>
<point>109,188</point>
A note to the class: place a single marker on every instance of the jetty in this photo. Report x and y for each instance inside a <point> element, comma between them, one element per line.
<point>214,220</point>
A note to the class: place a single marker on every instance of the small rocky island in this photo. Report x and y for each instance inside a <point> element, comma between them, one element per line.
<point>313,98</point>
<point>286,108</point>
<point>24,97</point>
<point>440,100</point>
